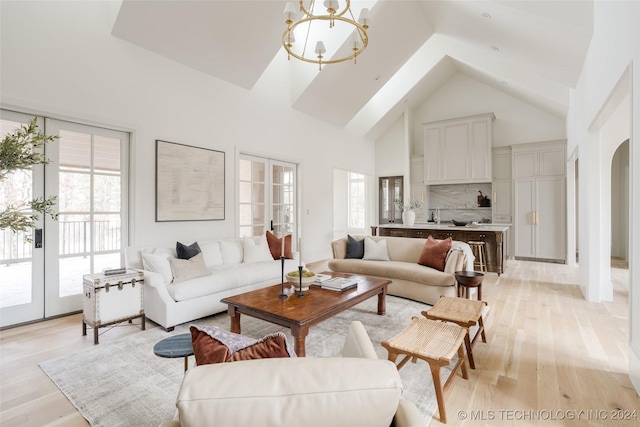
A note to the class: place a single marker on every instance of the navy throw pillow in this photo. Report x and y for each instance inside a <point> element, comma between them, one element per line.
<point>355,248</point>
<point>187,252</point>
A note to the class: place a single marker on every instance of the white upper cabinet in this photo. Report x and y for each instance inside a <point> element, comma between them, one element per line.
<point>458,151</point>
<point>502,201</point>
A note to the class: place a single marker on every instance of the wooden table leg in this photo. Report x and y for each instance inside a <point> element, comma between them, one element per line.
<point>95,334</point>
<point>467,344</point>
<point>299,336</point>
<point>437,384</point>
<point>143,317</point>
<point>382,301</point>
<point>235,319</point>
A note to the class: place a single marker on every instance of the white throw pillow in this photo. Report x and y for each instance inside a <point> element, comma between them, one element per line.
<point>231,251</point>
<point>185,269</point>
<point>158,263</point>
<point>212,253</point>
<point>256,251</point>
<point>375,251</point>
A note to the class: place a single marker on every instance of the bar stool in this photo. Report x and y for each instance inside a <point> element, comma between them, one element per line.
<point>478,249</point>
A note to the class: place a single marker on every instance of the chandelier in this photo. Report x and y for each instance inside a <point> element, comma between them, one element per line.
<point>305,16</point>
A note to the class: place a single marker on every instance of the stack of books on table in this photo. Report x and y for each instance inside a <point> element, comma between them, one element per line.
<point>339,284</point>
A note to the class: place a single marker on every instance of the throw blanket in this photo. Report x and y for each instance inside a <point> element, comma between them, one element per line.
<point>467,254</point>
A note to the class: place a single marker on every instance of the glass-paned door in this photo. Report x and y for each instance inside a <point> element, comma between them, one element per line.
<point>390,190</point>
<point>266,196</point>
<point>88,171</point>
<point>21,264</point>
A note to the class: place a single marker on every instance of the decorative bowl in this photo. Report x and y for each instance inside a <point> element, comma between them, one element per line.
<point>459,223</point>
<point>307,278</point>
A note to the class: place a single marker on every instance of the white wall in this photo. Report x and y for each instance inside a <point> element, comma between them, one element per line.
<point>516,121</point>
<point>620,202</point>
<point>59,59</point>
<point>611,71</point>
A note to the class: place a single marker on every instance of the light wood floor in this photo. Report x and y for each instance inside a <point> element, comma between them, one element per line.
<point>550,354</point>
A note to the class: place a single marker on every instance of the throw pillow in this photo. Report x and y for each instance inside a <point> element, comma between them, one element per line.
<point>215,345</point>
<point>187,252</point>
<point>355,248</point>
<point>158,263</point>
<point>256,251</point>
<point>185,269</point>
<point>375,251</point>
<point>275,245</point>
<point>434,253</point>
<point>231,251</point>
<point>212,253</point>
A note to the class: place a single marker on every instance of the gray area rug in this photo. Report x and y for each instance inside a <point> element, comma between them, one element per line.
<point>122,383</point>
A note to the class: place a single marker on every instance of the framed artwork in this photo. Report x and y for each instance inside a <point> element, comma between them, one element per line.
<point>189,183</point>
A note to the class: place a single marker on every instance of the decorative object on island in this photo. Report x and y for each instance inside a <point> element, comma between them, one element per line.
<point>407,208</point>
<point>189,183</point>
<point>314,18</point>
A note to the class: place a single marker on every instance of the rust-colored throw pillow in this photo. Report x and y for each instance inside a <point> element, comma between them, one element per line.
<point>434,253</point>
<point>215,345</point>
<point>275,245</point>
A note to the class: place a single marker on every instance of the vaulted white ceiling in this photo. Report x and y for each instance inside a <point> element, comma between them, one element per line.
<point>532,50</point>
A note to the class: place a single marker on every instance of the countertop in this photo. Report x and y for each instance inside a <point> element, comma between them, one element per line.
<point>448,226</point>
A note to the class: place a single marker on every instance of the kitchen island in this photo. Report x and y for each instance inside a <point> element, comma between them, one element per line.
<point>494,236</point>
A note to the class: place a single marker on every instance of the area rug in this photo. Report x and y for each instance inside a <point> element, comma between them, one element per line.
<point>122,383</point>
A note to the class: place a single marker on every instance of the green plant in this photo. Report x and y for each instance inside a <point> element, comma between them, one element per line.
<point>408,205</point>
<point>19,151</point>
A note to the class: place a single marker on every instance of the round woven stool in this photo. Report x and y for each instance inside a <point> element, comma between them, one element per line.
<point>467,280</point>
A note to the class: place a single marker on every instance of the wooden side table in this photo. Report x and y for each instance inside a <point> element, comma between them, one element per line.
<point>467,280</point>
<point>463,312</point>
<point>434,342</point>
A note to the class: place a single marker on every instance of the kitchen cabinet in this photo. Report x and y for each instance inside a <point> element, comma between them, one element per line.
<point>458,150</point>
<point>502,200</point>
<point>418,189</point>
<point>540,201</point>
<point>390,189</point>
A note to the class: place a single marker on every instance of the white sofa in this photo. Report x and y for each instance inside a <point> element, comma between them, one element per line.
<point>355,390</point>
<point>408,278</point>
<point>169,304</point>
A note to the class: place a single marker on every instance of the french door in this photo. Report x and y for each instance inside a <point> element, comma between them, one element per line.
<point>266,196</point>
<point>88,172</point>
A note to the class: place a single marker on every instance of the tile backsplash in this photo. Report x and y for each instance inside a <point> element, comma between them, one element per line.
<point>460,202</point>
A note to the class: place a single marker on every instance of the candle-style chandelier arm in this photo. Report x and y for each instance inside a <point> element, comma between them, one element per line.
<point>358,42</point>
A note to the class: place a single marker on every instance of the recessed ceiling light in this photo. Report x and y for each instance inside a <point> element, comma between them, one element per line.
<point>494,47</point>
<point>486,15</point>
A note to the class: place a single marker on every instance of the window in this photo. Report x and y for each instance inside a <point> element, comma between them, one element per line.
<point>357,200</point>
<point>266,196</point>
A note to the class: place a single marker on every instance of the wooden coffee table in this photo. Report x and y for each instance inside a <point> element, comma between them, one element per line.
<point>299,314</point>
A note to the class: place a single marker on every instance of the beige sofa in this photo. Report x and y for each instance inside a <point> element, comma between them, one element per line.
<point>357,389</point>
<point>409,279</point>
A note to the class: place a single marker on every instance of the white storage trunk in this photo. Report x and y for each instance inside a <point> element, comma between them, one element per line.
<point>112,299</point>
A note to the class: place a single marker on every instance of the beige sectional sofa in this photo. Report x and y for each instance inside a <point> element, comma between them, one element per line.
<point>357,389</point>
<point>409,279</point>
<point>230,272</point>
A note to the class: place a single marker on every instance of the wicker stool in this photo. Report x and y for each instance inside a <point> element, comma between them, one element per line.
<point>436,343</point>
<point>463,312</point>
<point>478,249</point>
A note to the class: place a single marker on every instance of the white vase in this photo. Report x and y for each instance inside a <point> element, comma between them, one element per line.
<point>408,217</point>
